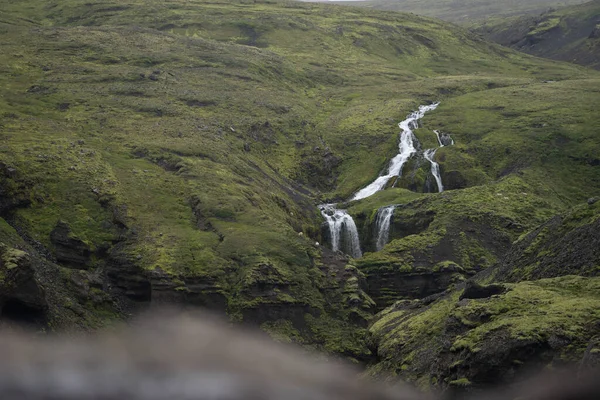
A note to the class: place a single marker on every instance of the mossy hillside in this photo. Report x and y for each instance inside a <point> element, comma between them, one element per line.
<point>473,340</point>
<point>469,230</point>
<point>180,149</point>
<point>548,133</point>
<point>467,12</point>
<point>104,165</point>
<point>542,160</point>
<point>342,287</point>
<point>567,244</point>
<point>569,33</point>
<point>352,42</point>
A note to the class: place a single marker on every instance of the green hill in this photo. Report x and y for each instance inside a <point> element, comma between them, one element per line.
<point>466,11</point>
<point>567,34</point>
<point>175,153</point>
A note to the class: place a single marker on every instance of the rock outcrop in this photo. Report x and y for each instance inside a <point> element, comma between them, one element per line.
<point>482,332</point>
<point>69,250</point>
<point>22,300</point>
<point>567,244</point>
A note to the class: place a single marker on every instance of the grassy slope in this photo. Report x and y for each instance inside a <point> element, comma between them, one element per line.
<point>524,153</point>
<point>188,122</point>
<point>466,12</point>
<point>452,342</point>
<point>568,34</point>
<point>472,343</point>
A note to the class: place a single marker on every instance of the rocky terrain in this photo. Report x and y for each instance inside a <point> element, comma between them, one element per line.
<point>514,317</point>
<point>175,153</point>
<point>568,34</point>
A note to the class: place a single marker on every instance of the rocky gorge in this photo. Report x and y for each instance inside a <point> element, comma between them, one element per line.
<point>391,190</point>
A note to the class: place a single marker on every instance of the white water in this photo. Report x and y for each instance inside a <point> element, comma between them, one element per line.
<point>435,168</point>
<point>382,225</point>
<point>342,229</point>
<point>344,235</point>
<point>406,150</point>
<point>437,133</point>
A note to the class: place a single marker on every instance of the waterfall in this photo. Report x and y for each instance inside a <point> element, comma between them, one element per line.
<point>444,139</point>
<point>435,168</point>
<point>382,225</point>
<point>344,235</point>
<point>406,148</point>
<point>437,133</point>
<point>342,229</point>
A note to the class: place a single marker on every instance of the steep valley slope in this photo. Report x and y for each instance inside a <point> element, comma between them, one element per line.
<point>174,152</point>
<point>466,12</point>
<point>567,34</point>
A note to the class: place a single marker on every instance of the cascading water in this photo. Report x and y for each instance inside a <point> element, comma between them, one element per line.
<point>437,134</point>
<point>382,225</point>
<point>444,140</point>
<point>406,150</point>
<point>344,235</point>
<point>444,137</point>
<point>342,229</point>
<point>435,168</point>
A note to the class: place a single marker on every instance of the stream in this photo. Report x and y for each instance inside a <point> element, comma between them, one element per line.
<point>342,229</point>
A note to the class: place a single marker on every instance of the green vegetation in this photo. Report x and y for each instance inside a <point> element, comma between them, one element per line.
<point>184,145</point>
<point>466,12</point>
<point>470,338</point>
<point>568,34</point>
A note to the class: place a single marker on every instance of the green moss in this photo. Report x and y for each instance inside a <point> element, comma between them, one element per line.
<point>191,144</point>
<point>545,26</point>
<point>11,257</point>
<point>282,331</point>
<point>444,266</point>
<point>461,382</point>
<point>528,314</point>
<point>336,337</point>
<point>565,303</point>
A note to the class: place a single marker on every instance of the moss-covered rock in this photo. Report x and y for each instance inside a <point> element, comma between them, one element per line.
<point>483,332</point>
<point>567,244</point>
<point>186,144</point>
<point>487,340</point>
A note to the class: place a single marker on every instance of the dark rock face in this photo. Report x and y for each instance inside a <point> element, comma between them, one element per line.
<point>70,250</point>
<point>473,290</point>
<point>13,189</point>
<point>591,357</point>
<point>202,292</point>
<point>295,313</point>
<point>477,335</point>
<point>319,166</point>
<point>445,139</point>
<point>385,288</point>
<point>126,280</point>
<point>437,261</point>
<point>22,300</point>
<point>454,180</point>
<point>468,344</point>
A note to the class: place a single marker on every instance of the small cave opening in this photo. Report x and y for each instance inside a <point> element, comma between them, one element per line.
<point>17,312</point>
